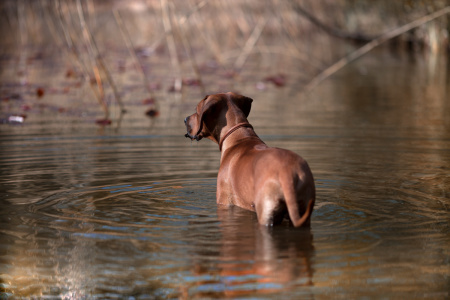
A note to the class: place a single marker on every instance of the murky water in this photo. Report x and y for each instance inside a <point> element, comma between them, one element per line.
<point>130,212</point>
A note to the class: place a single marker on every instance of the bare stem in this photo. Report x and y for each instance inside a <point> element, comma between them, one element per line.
<point>250,44</point>
<point>94,50</point>
<point>73,52</point>
<point>171,44</point>
<point>190,52</point>
<point>90,47</point>
<point>23,40</point>
<point>129,44</point>
<point>183,20</point>
<point>369,46</point>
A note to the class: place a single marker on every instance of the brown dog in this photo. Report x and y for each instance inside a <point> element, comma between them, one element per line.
<point>274,182</point>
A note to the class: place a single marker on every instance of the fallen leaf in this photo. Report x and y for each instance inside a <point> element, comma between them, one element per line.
<point>40,92</point>
<point>148,101</point>
<point>152,113</point>
<point>70,73</point>
<point>278,80</point>
<point>192,82</point>
<point>25,107</point>
<point>103,122</point>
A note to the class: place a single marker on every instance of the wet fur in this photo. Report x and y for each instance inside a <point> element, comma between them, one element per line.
<point>275,183</point>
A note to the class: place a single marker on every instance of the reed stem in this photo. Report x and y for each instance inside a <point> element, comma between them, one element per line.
<point>371,45</point>
<point>92,55</point>
<point>171,45</point>
<point>130,47</point>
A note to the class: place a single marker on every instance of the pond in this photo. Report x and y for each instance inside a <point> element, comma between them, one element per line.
<point>128,210</point>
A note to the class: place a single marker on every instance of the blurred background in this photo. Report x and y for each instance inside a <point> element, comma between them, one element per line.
<point>94,60</point>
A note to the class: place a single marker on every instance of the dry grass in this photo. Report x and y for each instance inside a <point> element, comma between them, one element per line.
<point>236,40</point>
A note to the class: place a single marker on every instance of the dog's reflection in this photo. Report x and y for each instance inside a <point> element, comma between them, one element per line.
<point>254,258</point>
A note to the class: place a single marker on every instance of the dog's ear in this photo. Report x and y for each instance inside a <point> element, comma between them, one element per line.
<point>209,109</point>
<point>244,103</point>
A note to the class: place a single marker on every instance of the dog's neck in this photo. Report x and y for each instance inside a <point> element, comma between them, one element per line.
<point>231,130</point>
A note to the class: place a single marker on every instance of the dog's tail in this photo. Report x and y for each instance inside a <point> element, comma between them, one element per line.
<point>292,206</point>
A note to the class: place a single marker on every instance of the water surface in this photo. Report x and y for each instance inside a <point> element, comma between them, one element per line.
<point>129,212</point>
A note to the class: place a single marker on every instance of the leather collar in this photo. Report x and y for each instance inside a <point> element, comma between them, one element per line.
<point>231,130</point>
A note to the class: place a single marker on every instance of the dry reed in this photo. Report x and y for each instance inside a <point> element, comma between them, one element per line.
<point>227,36</point>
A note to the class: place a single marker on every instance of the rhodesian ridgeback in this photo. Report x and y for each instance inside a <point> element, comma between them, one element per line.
<point>274,182</point>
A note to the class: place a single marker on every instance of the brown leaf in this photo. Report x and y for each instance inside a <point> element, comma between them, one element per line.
<point>25,107</point>
<point>103,122</point>
<point>192,82</point>
<point>70,73</point>
<point>278,80</point>
<point>148,101</point>
<point>40,92</point>
<point>152,113</point>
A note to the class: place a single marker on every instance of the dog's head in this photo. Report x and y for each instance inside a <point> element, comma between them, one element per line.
<point>215,112</point>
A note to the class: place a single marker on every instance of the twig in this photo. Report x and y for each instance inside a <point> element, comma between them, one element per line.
<point>51,26</point>
<point>129,44</point>
<point>72,50</point>
<point>171,44</point>
<point>191,56</point>
<point>111,82</point>
<point>183,20</point>
<point>369,46</point>
<point>23,41</point>
<point>91,42</point>
<point>90,47</point>
<point>208,41</point>
<point>330,30</point>
<point>91,13</point>
<point>250,44</point>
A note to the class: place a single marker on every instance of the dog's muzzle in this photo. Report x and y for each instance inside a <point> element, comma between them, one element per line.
<point>195,137</point>
<point>188,128</point>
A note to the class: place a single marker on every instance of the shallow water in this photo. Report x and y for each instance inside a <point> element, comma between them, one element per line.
<point>130,212</point>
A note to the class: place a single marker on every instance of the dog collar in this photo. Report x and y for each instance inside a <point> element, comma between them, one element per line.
<point>233,129</point>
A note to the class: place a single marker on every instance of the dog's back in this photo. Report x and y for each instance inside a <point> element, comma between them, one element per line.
<point>280,184</point>
<point>271,181</point>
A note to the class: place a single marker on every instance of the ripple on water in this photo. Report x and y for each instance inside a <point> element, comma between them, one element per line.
<point>135,215</point>
<point>168,234</point>
<point>91,233</point>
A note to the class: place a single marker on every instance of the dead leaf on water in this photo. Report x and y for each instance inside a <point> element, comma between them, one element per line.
<point>148,101</point>
<point>103,122</point>
<point>152,113</point>
<point>278,80</point>
<point>40,92</point>
<point>25,107</point>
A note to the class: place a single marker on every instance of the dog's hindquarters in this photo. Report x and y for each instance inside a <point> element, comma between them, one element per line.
<point>289,197</point>
<point>270,205</point>
<point>299,197</point>
<point>284,187</point>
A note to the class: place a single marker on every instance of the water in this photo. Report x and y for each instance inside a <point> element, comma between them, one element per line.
<point>129,211</point>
